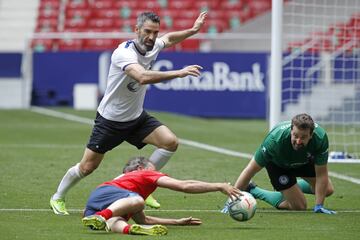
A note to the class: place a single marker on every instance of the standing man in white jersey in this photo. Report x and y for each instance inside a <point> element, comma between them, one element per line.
<point>120,115</point>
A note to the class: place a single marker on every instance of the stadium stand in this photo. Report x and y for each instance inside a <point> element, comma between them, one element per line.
<point>18,19</point>
<point>115,16</point>
<point>336,36</point>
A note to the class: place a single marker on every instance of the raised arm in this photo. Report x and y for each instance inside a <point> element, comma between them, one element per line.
<point>194,186</point>
<point>173,38</point>
<point>143,76</point>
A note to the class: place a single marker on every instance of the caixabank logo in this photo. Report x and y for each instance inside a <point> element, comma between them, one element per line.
<point>220,78</point>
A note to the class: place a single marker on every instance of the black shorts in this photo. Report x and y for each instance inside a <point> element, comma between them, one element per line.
<point>282,178</point>
<point>107,134</point>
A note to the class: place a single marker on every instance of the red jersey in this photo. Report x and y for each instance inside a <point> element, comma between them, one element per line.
<point>142,182</point>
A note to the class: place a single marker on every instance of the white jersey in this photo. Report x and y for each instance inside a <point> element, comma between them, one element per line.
<point>124,96</point>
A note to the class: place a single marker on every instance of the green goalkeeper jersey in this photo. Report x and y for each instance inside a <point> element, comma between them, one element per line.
<point>277,148</point>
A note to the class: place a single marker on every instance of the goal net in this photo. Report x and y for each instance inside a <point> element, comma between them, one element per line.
<point>321,70</point>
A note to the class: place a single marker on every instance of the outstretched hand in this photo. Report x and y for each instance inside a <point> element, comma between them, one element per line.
<point>199,21</point>
<point>231,191</point>
<point>189,221</point>
<point>193,70</point>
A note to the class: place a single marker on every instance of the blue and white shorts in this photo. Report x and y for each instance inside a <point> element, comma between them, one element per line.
<point>104,196</point>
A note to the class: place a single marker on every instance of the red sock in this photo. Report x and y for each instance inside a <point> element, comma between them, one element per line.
<point>106,213</point>
<point>126,229</point>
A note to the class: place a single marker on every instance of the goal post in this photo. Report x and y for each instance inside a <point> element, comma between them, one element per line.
<point>319,70</point>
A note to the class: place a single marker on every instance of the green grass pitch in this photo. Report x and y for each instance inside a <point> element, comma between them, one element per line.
<point>36,150</point>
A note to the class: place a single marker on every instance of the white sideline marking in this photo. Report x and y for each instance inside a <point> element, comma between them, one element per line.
<point>34,145</point>
<point>62,115</point>
<point>42,145</point>
<point>215,149</point>
<point>224,151</point>
<point>344,177</point>
<point>175,210</point>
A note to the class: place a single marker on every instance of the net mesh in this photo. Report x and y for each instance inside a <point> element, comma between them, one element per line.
<point>321,39</point>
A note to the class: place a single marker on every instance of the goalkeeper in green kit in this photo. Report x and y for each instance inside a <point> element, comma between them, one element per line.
<point>292,149</point>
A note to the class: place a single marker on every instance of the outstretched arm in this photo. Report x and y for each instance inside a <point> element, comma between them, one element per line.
<point>250,170</point>
<point>143,76</point>
<point>141,218</point>
<point>194,186</point>
<point>173,38</point>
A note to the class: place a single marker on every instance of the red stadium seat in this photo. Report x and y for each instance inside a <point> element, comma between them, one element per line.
<point>101,23</point>
<point>78,13</point>
<point>42,45</point>
<point>70,44</point>
<point>170,49</point>
<point>215,24</point>
<point>75,23</point>
<point>190,45</point>
<point>45,29</point>
<point>136,12</point>
<point>242,16</point>
<point>150,5</point>
<point>106,13</point>
<point>120,23</point>
<point>102,4</point>
<point>46,25</point>
<point>48,13</point>
<point>173,13</point>
<point>181,24</point>
<point>126,3</point>
<point>77,4</point>
<point>49,4</point>
<point>354,21</point>
<point>180,4</point>
<point>100,44</point>
<point>205,4</point>
<point>231,5</point>
<point>216,14</point>
<point>259,6</point>
<point>189,13</point>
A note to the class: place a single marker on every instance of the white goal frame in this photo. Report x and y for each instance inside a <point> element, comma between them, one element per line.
<point>339,141</point>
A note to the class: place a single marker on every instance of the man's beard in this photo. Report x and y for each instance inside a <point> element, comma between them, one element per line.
<point>146,46</point>
<point>149,47</point>
<point>297,147</point>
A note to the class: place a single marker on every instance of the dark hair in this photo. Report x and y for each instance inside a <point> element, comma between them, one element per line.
<point>303,121</point>
<point>134,163</point>
<point>143,17</point>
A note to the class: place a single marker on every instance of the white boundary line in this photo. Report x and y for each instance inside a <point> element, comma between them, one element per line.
<point>224,151</point>
<point>344,177</point>
<point>174,210</point>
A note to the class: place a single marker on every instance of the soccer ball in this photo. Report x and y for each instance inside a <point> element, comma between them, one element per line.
<point>243,208</point>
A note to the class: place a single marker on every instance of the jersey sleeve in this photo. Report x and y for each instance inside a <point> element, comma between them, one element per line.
<point>264,153</point>
<point>153,176</point>
<point>322,154</point>
<point>160,43</point>
<point>124,57</point>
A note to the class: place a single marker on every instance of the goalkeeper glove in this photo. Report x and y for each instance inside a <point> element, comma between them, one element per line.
<point>319,208</point>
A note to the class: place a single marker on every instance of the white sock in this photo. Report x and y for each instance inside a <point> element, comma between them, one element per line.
<point>72,176</point>
<point>160,157</point>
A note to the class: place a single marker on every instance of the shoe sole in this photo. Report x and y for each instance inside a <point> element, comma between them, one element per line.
<point>156,230</point>
<point>94,223</point>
